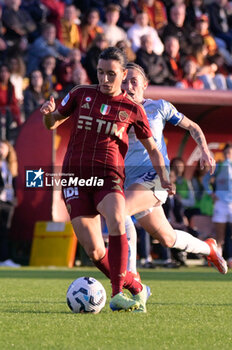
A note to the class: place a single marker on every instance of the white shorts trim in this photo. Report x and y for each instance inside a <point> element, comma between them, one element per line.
<point>151,181</point>
<point>222,212</point>
<point>143,213</point>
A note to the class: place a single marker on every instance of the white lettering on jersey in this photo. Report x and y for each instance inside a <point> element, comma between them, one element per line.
<point>85,122</point>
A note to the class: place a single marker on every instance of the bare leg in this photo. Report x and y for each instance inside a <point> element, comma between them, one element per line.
<point>138,198</point>
<point>112,207</point>
<point>158,226</point>
<point>89,234</point>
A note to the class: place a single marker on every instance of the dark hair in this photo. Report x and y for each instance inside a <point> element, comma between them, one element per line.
<point>114,53</point>
<point>227,146</point>
<point>10,86</point>
<point>132,65</point>
<point>47,26</point>
<point>84,20</point>
<point>30,77</point>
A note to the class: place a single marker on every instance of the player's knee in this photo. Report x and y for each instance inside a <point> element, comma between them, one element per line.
<point>95,253</point>
<point>116,224</point>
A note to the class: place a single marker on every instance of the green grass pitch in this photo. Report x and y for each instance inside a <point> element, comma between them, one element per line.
<point>191,308</point>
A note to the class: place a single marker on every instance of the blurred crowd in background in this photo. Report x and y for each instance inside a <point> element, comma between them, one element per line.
<point>49,46</point>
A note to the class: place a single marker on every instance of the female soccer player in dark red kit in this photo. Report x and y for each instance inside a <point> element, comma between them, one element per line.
<point>101,116</point>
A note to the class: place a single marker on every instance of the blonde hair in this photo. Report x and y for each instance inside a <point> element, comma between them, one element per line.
<point>11,158</point>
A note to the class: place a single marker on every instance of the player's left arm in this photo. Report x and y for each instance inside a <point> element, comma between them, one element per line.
<point>199,137</point>
<point>158,163</point>
<point>51,116</point>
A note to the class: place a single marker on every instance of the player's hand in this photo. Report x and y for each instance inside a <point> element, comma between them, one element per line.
<point>171,188</point>
<point>49,106</point>
<point>208,161</point>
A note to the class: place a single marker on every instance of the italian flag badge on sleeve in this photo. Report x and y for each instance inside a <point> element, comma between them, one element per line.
<point>105,109</point>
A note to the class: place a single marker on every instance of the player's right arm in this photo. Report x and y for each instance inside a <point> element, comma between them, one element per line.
<point>51,117</point>
<point>199,137</point>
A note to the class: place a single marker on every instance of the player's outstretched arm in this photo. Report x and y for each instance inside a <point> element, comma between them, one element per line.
<point>158,163</point>
<point>51,117</point>
<point>199,137</point>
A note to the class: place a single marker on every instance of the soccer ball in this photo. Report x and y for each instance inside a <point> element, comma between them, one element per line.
<point>86,294</point>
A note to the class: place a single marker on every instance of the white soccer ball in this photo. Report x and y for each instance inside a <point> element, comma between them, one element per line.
<point>86,294</point>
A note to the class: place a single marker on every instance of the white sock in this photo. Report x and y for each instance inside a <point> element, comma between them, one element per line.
<point>190,244</point>
<point>132,244</point>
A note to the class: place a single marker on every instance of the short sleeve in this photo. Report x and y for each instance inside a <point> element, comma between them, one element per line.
<point>69,103</point>
<point>171,113</point>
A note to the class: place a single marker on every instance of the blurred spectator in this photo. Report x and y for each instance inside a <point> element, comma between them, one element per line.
<point>38,13</point>
<point>194,11</point>
<point>19,25</point>
<point>100,43</point>
<point>48,66</point>
<point>156,12</point>
<point>17,76</point>
<point>208,71</point>
<point>144,246</point>
<point>174,212</point>
<point>184,187</point>
<point>65,69</point>
<point>125,46</point>
<point>72,73</point>
<point>74,58</point>
<point>79,77</point>
<point>177,27</point>
<point>128,12</point>
<point>170,3</point>
<point>89,28</point>
<point>70,35</point>
<point>55,11</point>
<point>113,32</point>
<point>203,201</point>
<point>190,79</point>
<point>153,65</point>
<point>8,171</point>
<point>3,44</point>
<point>202,29</point>
<point>46,44</point>
<point>220,14</point>
<point>9,106</point>
<point>141,28</point>
<point>34,95</point>
<point>222,196</point>
<point>173,208</point>
<point>173,59</point>
<point>85,5</point>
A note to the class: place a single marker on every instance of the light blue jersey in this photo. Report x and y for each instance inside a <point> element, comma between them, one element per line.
<point>223,181</point>
<point>137,161</point>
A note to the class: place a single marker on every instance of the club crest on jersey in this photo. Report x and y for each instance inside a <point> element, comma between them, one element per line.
<point>123,116</point>
<point>65,100</point>
<point>88,99</point>
<point>105,109</point>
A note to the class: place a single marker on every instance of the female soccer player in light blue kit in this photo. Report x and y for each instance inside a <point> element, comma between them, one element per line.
<point>144,193</point>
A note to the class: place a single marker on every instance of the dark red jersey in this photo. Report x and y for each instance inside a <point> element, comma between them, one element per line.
<point>99,135</point>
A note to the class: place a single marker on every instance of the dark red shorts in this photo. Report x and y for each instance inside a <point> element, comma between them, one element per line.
<point>83,200</point>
